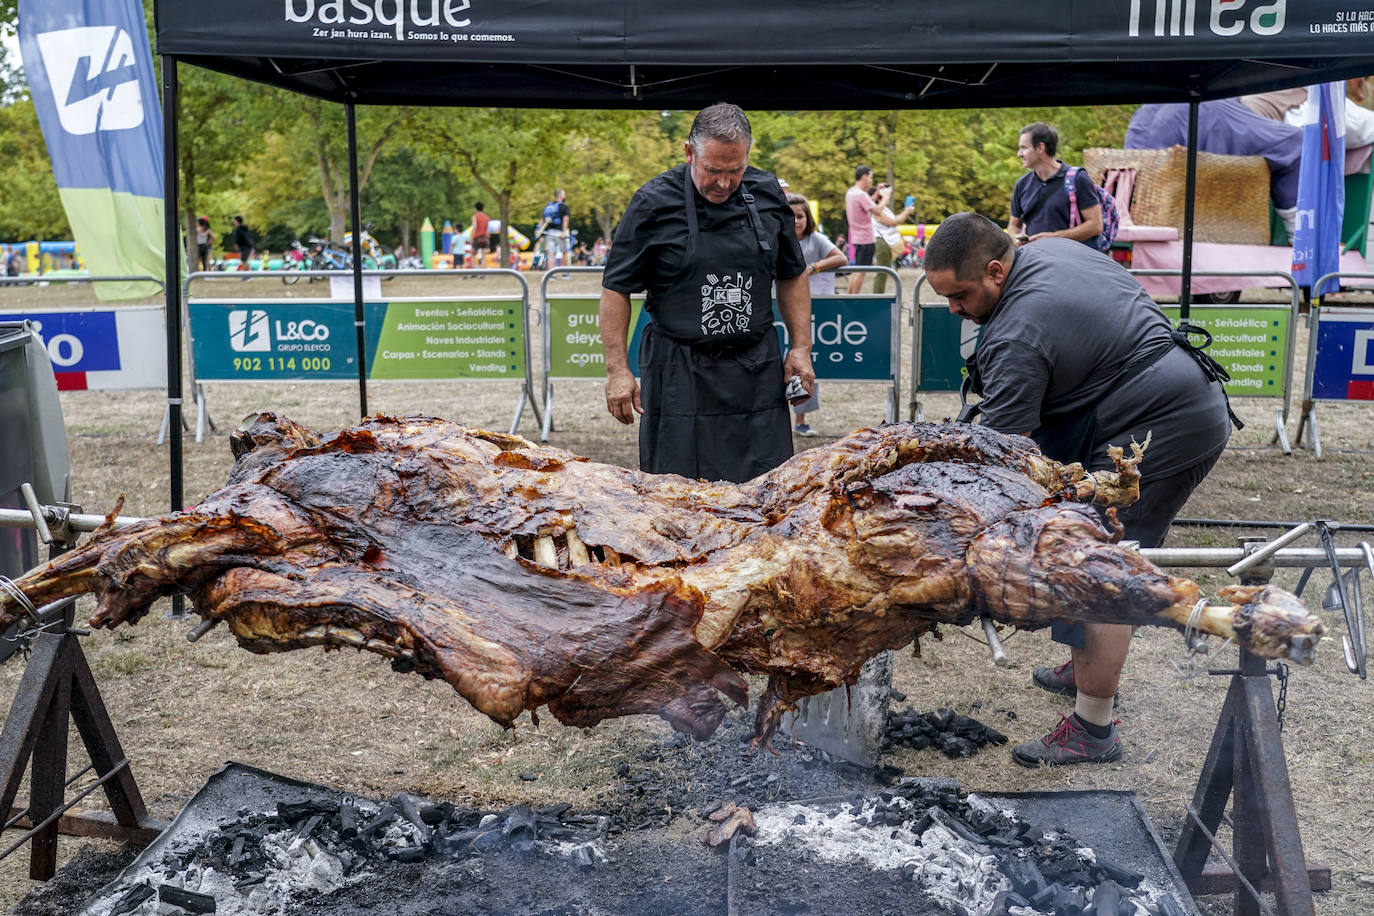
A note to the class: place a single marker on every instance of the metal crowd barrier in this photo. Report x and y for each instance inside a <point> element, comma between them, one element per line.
<point>571,366</point>
<point>1281,416</point>
<point>527,381</point>
<point>1327,343</point>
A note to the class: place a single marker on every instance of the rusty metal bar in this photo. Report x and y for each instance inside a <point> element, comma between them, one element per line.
<point>20,814</point>
<point>1221,850</point>
<point>57,814</point>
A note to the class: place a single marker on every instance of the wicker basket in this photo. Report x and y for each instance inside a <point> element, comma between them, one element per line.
<point>1232,191</point>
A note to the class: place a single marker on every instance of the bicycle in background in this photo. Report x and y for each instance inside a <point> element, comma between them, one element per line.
<point>294,259</point>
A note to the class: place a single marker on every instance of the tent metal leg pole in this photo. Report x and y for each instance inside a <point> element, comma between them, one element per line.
<point>1185,288</point>
<point>171,193</point>
<point>355,216</point>
<point>548,412</point>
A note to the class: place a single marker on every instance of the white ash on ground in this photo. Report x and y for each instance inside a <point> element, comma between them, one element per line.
<point>965,854</point>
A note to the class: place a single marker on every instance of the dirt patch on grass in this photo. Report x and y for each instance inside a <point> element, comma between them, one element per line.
<point>345,719</point>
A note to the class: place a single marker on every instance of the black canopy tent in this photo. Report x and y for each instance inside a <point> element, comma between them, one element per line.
<point>771,54</point>
<point>809,54</point>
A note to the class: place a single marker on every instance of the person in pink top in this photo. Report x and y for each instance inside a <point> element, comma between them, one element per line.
<point>858,210</point>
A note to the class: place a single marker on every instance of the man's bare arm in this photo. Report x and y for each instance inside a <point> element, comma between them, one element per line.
<point>622,391</point>
<point>1090,228</point>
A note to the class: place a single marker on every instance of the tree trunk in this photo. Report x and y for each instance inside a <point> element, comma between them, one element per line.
<point>188,198</point>
<point>605,220</point>
<point>503,203</point>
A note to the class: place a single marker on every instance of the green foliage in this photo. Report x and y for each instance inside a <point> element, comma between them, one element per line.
<point>516,156</point>
<point>29,206</point>
<point>948,160</point>
<point>280,159</point>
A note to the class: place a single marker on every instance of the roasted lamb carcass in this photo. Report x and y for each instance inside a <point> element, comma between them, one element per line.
<point>526,576</point>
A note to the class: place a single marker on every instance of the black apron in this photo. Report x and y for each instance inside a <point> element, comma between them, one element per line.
<point>710,363</point>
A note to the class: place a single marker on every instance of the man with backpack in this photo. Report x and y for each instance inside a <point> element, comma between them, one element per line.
<point>1053,199</point>
<point>553,232</point>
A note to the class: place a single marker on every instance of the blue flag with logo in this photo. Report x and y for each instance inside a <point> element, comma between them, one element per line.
<point>90,72</point>
<point>1321,187</point>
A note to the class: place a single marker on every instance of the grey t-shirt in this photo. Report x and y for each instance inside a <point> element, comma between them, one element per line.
<point>1069,320</point>
<point>815,247</point>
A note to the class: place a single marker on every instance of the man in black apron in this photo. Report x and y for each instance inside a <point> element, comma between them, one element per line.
<point>1075,355</point>
<point>707,240</point>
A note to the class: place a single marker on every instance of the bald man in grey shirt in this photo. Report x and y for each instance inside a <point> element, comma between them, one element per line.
<point>1077,356</point>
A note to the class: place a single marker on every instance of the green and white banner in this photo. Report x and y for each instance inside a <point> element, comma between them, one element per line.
<point>295,340</point>
<point>1251,342</point>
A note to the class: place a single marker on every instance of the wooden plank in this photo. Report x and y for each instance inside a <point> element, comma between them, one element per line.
<point>47,778</point>
<point>102,742</point>
<point>98,824</point>
<point>1218,879</point>
<point>45,670</point>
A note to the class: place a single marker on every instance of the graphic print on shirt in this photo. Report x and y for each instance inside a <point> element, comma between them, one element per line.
<point>726,304</point>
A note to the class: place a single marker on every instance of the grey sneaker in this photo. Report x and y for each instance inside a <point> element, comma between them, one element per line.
<point>1069,743</point>
<point>1059,679</point>
<point>804,430</point>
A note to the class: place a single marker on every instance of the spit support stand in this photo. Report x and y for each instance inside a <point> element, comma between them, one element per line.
<point>1345,592</point>
<point>1351,600</point>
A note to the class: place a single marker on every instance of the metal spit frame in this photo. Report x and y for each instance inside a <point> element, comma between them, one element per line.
<point>1246,758</point>
<point>58,689</point>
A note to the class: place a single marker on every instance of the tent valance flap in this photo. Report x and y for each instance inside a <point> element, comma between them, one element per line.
<point>598,53</point>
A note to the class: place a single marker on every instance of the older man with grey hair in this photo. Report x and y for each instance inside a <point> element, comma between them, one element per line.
<point>706,241</point>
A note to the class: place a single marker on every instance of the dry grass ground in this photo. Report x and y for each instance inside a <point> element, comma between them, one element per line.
<point>346,720</point>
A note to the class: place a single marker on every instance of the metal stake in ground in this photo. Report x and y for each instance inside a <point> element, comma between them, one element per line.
<point>847,722</point>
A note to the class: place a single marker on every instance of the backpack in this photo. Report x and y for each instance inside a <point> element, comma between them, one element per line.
<point>1111,219</point>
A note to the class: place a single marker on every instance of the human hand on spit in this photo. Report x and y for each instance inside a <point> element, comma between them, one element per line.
<point>622,395</point>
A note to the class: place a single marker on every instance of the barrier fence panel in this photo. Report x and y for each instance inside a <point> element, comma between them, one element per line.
<point>424,338</point>
<point>854,338</point>
<point>1340,357</point>
<point>1255,343</point>
<point>100,348</point>
<point>940,342</point>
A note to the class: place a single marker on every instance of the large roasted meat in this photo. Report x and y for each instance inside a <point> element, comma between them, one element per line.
<point>527,576</point>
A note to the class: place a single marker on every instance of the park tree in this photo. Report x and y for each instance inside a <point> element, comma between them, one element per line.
<point>411,184</point>
<point>505,150</point>
<point>214,124</point>
<point>610,156</point>
<point>302,157</point>
<point>29,207</point>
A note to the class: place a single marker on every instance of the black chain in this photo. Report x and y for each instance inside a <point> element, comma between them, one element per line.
<point>1281,672</point>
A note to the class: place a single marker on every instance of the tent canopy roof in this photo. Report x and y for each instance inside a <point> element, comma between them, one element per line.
<point>773,54</point>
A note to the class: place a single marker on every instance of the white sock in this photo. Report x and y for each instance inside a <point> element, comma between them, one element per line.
<point>1289,215</point>
<point>1096,710</point>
